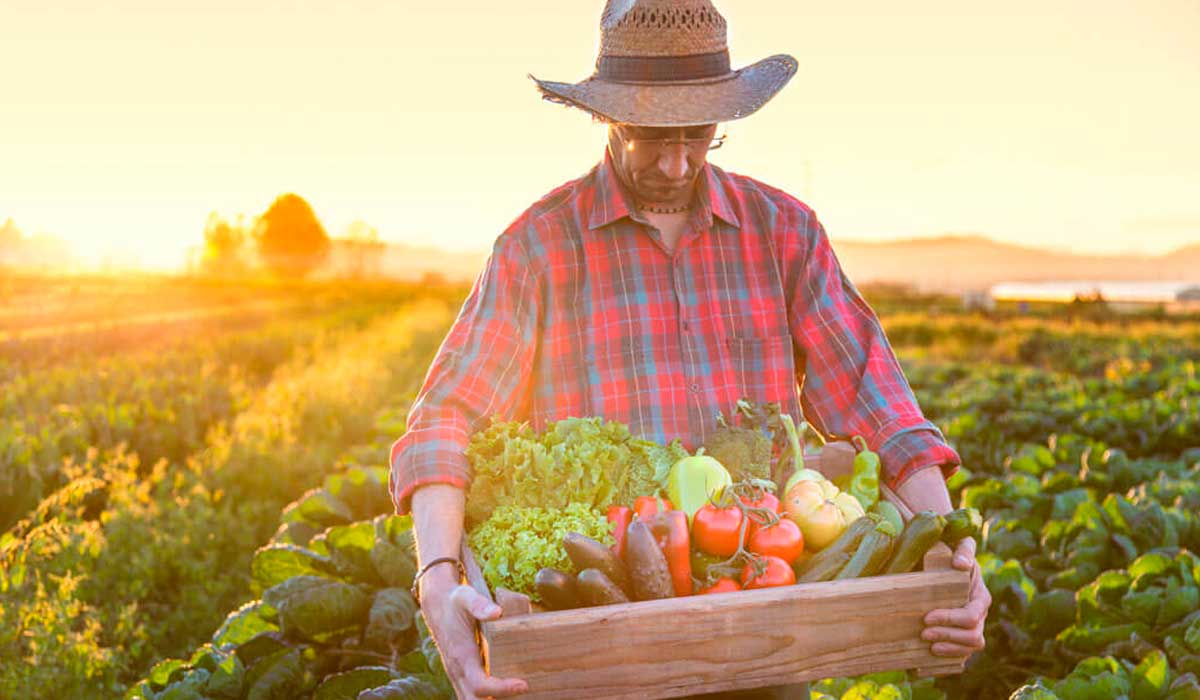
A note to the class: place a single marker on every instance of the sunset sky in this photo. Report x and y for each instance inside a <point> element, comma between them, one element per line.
<point>1062,123</point>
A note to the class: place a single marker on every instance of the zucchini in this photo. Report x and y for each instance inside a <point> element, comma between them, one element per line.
<point>586,553</point>
<point>556,589</point>
<point>846,543</point>
<point>921,533</point>
<point>960,524</point>
<point>890,513</point>
<point>825,569</point>
<point>872,554</point>
<point>596,588</point>
<point>647,565</point>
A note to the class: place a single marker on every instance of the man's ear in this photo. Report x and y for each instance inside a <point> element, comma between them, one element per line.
<point>614,141</point>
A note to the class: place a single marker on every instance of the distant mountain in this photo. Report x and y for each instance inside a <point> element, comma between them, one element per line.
<point>946,263</point>
<point>959,263</point>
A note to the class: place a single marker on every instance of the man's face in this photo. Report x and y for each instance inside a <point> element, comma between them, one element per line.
<point>660,164</point>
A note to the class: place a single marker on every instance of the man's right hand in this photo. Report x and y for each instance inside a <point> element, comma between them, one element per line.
<point>451,611</point>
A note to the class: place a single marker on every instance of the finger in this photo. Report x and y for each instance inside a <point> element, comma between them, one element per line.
<point>952,650</point>
<point>967,617</point>
<point>968,638</point>
<point>964,554</point>
<point>469,600</point>
<point>484,686</point>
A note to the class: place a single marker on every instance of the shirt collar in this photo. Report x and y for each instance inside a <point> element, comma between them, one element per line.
<point>610,201</point>
<point>715,196</point>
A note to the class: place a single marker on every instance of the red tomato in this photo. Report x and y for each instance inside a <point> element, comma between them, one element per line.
<point>646,506</point>
<point>783,540</point>
<point>717,530</point>
<point>767,500</point>
<point>777,573</point>
<point>723,585</point>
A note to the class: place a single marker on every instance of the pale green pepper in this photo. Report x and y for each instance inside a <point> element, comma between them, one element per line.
<point>864,484</point>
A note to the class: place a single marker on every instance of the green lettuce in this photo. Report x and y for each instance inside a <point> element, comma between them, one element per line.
<point>578,460</point>
<point>517,541</point>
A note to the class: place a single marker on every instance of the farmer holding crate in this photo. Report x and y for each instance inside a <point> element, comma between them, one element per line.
<point>656,291</point>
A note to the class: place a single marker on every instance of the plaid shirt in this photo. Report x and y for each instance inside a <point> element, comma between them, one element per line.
<point>581,311</point>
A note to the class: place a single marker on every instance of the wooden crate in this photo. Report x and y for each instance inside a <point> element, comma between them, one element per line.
<point>747,639</point>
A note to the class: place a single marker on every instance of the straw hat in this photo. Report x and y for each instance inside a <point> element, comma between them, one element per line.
<point>666,63</point>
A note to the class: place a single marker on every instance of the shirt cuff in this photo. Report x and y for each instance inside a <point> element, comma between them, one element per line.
<point>416,462</point>
<point>910,449</point>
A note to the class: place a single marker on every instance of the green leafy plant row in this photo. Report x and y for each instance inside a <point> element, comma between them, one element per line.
<point>95,593</point>
<point>335,618</point>
<point>158,403</point>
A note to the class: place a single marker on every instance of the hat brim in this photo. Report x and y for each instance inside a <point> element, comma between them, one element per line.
<point>734,96</point>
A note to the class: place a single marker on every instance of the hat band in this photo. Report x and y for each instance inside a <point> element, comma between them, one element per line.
<point>637,69</point>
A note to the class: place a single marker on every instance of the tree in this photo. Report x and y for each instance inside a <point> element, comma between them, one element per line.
<point>291,240</point>
<point>224,247</point>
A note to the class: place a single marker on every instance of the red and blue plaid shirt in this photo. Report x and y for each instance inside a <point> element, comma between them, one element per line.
<point>582,311</point>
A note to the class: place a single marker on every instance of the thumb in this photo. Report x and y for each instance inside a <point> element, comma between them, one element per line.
<point>964,554</point>
<point>479,607</point>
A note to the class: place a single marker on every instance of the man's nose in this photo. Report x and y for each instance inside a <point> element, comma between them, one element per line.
<point>672,161</point>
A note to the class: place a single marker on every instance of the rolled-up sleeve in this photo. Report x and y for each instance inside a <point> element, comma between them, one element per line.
<point>482,369</point>
<point>852,382</point>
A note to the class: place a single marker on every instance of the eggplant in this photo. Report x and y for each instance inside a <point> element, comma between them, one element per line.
<point>586,553</point>
<point>595,588</point>
<point>647,565</point>
<point>557,589</point>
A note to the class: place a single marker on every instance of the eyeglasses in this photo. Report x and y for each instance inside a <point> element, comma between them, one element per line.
<point>695,144</point>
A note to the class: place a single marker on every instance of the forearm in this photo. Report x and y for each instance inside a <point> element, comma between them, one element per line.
<point>926,489</point>
<point>437,511</point>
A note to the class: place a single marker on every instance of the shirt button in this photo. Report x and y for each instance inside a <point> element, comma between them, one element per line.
<point>687,326</point>
<point>695,388</point>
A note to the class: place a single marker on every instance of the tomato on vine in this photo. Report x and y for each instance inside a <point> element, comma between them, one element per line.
<point>775,572</point>
<point>723,585</point>
<point>783,540</point>
<point>718,530</point>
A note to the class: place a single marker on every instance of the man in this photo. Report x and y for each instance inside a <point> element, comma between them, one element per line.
<point>656,291</point>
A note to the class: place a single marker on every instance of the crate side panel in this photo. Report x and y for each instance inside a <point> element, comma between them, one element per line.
<point>739,640</point>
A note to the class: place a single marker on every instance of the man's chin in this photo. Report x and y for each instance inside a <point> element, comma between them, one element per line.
<point>663,196</point>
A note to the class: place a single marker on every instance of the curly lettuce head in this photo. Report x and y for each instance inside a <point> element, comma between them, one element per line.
<point>585,461</point>
<point>517,541</point>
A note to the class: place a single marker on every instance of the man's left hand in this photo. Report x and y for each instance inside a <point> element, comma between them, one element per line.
<point>959,631</point>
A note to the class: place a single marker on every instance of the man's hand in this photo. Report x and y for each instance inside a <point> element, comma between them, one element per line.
<point>451,611</point>
<point>959,631</point>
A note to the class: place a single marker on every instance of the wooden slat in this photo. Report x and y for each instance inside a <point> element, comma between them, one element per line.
<point>512,603</point>
<point>474,574</point>
<point>748,639</point>
<point>835,460</point>
<point>944,667</point>
<point>939,557</point>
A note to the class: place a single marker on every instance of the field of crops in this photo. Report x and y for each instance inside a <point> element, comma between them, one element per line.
<point>197,508</point>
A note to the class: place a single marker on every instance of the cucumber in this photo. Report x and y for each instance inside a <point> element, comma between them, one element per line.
<point>962,523</point>
<point>921,533</point>
<point>825,569</point>
<point>595,588</point>
<point>872,554</point>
